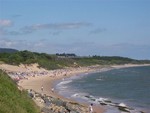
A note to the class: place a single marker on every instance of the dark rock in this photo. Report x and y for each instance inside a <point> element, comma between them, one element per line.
<point>102,103</point>
<point>87,96</point>
<point>93,99</point>
<point>31,95</point>
<point>123,109</point>
<point>108,101</point>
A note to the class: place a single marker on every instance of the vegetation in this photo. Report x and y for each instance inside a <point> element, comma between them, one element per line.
<point>66,55</point>
<point>13,100</point>
<point>62,60</point>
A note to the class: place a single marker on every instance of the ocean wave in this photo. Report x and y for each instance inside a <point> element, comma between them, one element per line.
<point>79,94</point>
<point>63,87</point>
<point>64,82</point>
<point>105,101</point>
<point>99,79</point>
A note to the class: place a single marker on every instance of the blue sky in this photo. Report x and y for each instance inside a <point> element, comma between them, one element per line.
<point>83,27</point>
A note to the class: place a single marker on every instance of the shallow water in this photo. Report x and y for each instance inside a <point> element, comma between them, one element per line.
<point>128,85</point>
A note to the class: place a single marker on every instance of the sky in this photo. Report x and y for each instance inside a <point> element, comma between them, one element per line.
<point>83,27</point>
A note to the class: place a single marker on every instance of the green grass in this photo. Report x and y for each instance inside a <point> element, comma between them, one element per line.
<point>50,62</point>
<point>13,100</point>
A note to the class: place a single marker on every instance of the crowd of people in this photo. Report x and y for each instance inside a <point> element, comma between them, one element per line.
<point>25,74</point>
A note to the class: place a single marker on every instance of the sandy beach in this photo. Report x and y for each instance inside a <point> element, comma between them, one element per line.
<point>35,78</point>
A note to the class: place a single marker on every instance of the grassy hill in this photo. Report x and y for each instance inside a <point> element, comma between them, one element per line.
<point>62,60</point>
<point>12,100</point>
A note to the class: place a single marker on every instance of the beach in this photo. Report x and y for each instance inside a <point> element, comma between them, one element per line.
<point>42,81</point>
<point>33,77</point>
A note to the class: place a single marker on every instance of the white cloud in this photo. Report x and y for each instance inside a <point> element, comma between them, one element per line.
<point>7,43</point>
<point>5,23</point>
<point>23,44</point>
<point>55,28</point>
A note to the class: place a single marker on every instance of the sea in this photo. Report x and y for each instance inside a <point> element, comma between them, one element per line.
<point>127,86</point>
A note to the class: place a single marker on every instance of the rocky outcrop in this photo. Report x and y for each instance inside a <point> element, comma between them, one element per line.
<point>50,104</point>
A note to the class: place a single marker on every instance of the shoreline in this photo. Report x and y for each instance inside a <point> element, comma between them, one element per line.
<point>103,69</point>
<point>47,80</point>
<point>48,84</point>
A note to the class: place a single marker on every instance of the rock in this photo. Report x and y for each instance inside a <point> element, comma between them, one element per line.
<point>102,103</point>
<point>123,109</point>
<point>31,95</point>
<point>56,105</point>
<point>39,99</point>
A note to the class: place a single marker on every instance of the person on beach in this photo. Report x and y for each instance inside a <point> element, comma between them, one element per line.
<point>52,89</point>
<point>42,88</point>
<point>91,108</point>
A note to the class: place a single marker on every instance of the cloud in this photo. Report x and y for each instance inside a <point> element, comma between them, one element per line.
<point>13,33</point>
<point>7,43</point>
<point>97,31</point>
<point>60,26</point>
<point>6,32</point>
<point>23,44</point>
<point>5,23</point>
<point>56,29</point>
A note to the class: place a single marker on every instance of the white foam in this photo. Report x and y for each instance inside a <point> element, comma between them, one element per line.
<point>80,95</point>
<point>122,105</point>
<point>99,79</point>
<point>63,87</point>
<point>102,99</point>
<point>75,95</point>
<point>64,82</point>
